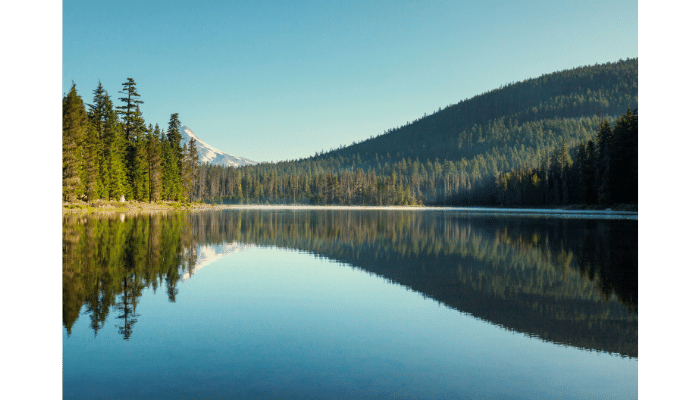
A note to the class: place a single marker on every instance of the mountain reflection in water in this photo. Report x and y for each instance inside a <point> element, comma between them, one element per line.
<point>568,281</point>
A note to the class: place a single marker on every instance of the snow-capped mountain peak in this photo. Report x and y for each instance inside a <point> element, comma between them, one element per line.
<point>211,155</point>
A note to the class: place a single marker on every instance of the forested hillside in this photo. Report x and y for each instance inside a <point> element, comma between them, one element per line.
<point>468,152</point>
<point>568,137</point>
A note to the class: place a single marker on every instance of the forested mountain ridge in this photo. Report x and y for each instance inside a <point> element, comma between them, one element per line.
<point>535,112</point>
<point>468,153</point>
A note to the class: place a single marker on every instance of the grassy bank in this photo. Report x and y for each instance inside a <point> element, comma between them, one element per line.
<point>104,206</point>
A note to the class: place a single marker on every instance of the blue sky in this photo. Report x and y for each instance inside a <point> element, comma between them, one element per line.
<point>276,80</point>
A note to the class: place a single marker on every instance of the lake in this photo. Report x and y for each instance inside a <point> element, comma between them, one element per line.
<point>276,303</point>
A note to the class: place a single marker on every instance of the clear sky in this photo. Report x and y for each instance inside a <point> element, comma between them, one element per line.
<point>276,80</point>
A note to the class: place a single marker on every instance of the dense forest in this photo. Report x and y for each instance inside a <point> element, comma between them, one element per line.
<point>568,137</point>
<point>568,281</point>
<point>109,152</point>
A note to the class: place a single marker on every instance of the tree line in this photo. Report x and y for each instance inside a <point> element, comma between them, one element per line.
<point>109,152</point>
<point>601,168</point>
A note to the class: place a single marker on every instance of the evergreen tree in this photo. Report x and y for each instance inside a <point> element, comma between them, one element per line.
<point>98,116</point>
<point>169,168</point>
<point>577,192</point>
<point>135,154</point>
<point>603,140</point>
<point>75,123</point>
<point>175,139</point>
<point>130,112</point>
<point>116,169</point>
<point>91,167</point>
<point>190,170</point>
<point>99,111</point>
<point>139,166</point>
<point>111,162</point>
<point>154,149</point>
<point>174,135</point>
<point>561,166</point>
<point>589,173</point>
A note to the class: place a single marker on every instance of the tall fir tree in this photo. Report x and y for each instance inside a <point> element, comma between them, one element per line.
<point>98,111</point>
<point>174,135</point>
<point>154,150</point>
<point>139,166</point>
<point>75,124</point>
<point>97,115</point>
<point>190,170</point>
<point>130,111</point>
<point>603,140</point>
<point>589,173</point>
<point>175,139</point>
<point>169,168</point>
<point>117,177</point>
<point>135,152</point>
<point>91,164</point>
<point>576,176</point>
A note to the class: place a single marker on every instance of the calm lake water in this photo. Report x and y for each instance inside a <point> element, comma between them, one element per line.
<point>349,304</point>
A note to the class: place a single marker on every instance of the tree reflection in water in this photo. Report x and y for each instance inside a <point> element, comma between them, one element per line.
<point>570,281</point>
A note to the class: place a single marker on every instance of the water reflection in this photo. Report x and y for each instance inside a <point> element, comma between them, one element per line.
<point>567,281</point>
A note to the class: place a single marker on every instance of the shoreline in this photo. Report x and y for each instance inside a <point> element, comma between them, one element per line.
<point>131,207</point>
<point>135,207</point>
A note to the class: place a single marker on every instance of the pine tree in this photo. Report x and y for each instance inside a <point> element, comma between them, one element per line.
<point>603,163</point>
<point>91,167</point>
<point>153,147</point>
<point>175,139</point>
<point>112,145</point>
<point>576,176</point>
<point>190,170</point>
<point>139,166</point>
<point>130,112</point>
<point>97,116</point>
<point>117,164</point>
<point>75,123</point>
<point>135,154</point>
<point>174,135</point>
<point>99,110</point>
<point>561,165</point>
<point>589,172</point>
<point>169,169</point>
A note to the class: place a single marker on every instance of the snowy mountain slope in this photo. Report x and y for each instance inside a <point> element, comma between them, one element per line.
<point>209,154</point>
<point>207,254</point>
